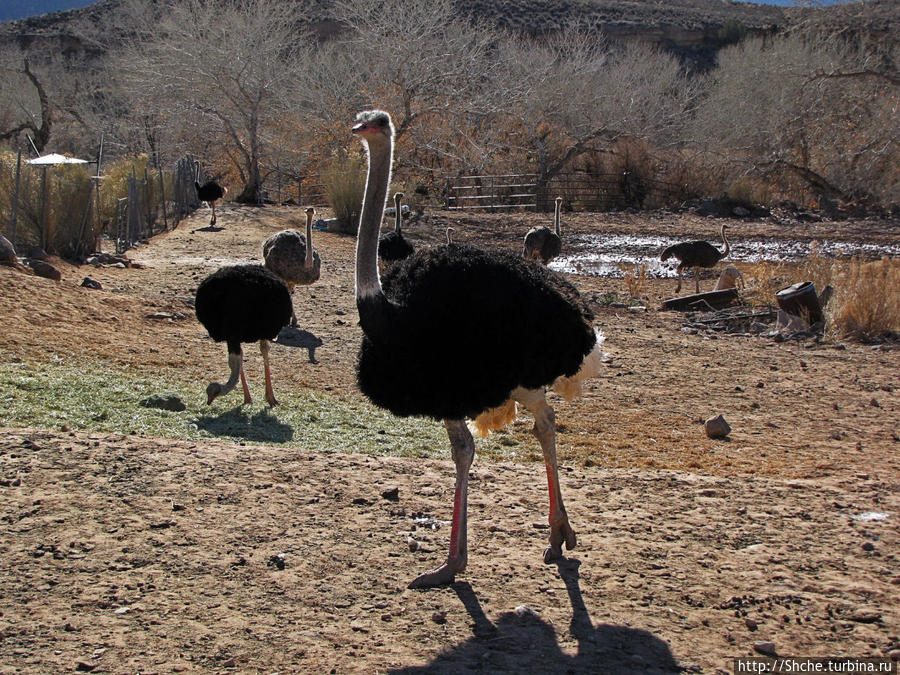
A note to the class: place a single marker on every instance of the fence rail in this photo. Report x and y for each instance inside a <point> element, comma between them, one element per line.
<point>580,191</point>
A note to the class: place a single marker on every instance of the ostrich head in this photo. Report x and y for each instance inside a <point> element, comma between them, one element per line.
<point>213,391</point>
<point>374,126</point>
<point>310,211</point>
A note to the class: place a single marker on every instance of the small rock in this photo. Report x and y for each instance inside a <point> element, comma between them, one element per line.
<point>171,402</point>
<point>277,561</point>
<point>392,494</point>
<point>765,648</point>
<point>230,663</point>
<point>85,666</point>
<point>524,611</point>
<point>863,615</point>
<point>893,655</point>
<point>751,624</point>
<point>413,544</point>
<point>87,282</point>
<point>439,617</point>
<point>868,546</point>
<point>45,269</point>
<point>717,427</point>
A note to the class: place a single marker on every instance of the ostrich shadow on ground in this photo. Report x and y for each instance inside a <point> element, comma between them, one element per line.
<point>208,228</point>
<point>522,642</point>
<point>261,426</point>
<point>294,337</point>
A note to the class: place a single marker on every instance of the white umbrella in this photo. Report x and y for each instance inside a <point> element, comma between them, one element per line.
<point>54,158</point>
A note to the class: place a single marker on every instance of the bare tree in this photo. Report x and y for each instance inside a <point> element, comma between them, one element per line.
<point>807,108</point>
<point>28,103</point>
<point>218,72</point>
<point>584,94</point>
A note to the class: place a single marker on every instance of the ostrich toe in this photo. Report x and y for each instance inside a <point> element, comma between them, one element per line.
<point>445,574</point>
<point>559,534</point>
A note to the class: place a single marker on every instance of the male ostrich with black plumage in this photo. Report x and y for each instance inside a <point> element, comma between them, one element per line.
<point>392,247</point>
<point>243,303</point>
<point>210,192</point>
<point>694,255</point>
<point>291,256</point>
<point>542,243</point>
<point>456,333</point>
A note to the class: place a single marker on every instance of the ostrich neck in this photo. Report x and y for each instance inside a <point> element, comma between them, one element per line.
<point>556,218</point>
<point>368,284</point>
<point>397,225</point>
<point>727,245</point>
<point>309,249</point>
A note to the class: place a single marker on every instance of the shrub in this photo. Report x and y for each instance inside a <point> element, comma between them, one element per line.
<point>345,182</point>
<point>67,229</point>
<point>866,302</point>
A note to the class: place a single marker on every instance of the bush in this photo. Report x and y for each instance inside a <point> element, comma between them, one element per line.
<point>866,302</point>
<point>67,230</point>
<point>345,182</point>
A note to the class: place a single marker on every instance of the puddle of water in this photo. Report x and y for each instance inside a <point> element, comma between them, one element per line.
<point>603,255</point>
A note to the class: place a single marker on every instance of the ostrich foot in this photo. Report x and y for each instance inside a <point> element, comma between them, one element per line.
<point>559,534</point>
<point>445,574</point>
<point>271,400</point>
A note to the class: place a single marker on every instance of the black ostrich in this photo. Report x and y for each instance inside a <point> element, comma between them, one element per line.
<point>243,303</point>
<point>210,192</point>
<point>542,243</point>
<point>455,332</point>
<point>392,246</point>
<point>695,254</point>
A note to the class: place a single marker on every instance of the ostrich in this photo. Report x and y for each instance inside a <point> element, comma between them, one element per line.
<point>392,246</point>
<point>242,303</point>
<point>455,332</point>
<point>210,192</point>
<point>450,231</point>
<point>695,254</point>
<point>542,243</point>
<point>287,254</point>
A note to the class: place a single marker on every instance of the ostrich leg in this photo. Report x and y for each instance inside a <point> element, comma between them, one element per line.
<point>247,398</point>
<point>264,347</point>
<point>678,287</point>
<point>545,431</point>
<point>463,448</point>
<point>212,221</point>
<point>697,278</point>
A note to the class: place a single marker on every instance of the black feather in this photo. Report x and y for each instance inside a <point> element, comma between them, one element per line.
<point>243,303</point>
<point>458,329</point>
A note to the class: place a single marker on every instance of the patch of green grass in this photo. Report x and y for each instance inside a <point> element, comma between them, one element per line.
<point>94,397</point>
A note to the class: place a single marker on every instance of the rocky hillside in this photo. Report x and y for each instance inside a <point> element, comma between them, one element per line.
<point>693,29</point>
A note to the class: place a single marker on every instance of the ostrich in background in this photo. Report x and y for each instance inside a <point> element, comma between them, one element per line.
<point>695,254</point>
<point>392,246</point>
<point>455,332</point>
<point>242,303</point>
<point>542,243</point>
<point>291,256</point>
<point>210,192</point>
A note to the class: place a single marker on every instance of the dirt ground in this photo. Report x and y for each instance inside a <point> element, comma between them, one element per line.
<point>130,554</point>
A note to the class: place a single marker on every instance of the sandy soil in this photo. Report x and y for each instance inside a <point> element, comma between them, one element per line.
<point>129,554</point>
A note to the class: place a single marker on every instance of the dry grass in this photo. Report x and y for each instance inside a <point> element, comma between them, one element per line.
<point>763,280</point>
<point>866,303</point>
<point>346,181</point>
<point>635,280</point>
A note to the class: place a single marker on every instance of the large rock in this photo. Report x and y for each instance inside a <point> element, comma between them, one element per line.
<point>45,269</point>
<point>7,252</point>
